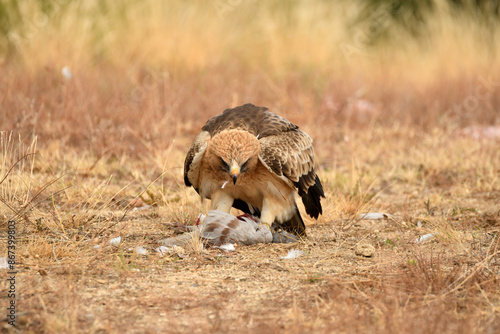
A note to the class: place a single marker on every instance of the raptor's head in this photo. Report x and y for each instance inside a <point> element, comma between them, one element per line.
<point>234,152</point>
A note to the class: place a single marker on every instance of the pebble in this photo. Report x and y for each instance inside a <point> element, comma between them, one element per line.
<point>365,250</point>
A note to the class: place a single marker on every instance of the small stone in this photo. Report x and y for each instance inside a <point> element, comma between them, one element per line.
<point>115,241</point>
<point>141,250</point>
<point>365,250</point>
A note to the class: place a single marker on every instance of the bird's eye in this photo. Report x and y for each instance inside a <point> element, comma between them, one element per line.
<point>224,166</point>
<point>244,167</point>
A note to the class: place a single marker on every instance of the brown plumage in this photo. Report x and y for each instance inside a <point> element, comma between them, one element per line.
<point>254,160</point>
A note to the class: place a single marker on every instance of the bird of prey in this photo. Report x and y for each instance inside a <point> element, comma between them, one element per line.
<point>254,160</point>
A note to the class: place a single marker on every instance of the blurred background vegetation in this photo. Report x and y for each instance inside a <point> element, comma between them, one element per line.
<point>150,65</point>
<point>277,36</point>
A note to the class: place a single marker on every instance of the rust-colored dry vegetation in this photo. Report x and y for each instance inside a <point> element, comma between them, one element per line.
<point>403,123</point>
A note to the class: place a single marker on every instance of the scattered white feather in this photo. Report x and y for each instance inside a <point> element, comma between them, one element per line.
<point>293,254</point>
<point>115,241</point>
<point>66,72</point>
<point>374,215</point>
<point>163,250</point>
<point>419,223</point>
<point>4,264</point>
<point>177,250</point>
<point>97,246</point>
<point>424,238</point>
<point>147,206</point>
<point>224,184</point>
<point>141,250</point>
<point>227,247</point>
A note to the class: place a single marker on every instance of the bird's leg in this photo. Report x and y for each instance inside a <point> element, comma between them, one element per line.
<point>267,215</point>
<point>203,205</point>
<point>221,201</point>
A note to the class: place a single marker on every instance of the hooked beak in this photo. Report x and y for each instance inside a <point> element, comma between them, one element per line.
<point>235,171</point>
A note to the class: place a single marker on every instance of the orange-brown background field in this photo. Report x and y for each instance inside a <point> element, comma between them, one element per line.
<point>403,123</point>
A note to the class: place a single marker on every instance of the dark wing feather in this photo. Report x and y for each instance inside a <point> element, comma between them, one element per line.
<point>256,120</point>
<point>290,154</point>
<point>192,161</point>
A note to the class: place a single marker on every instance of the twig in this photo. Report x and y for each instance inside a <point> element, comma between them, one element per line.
<point>54,253</point>
<point>14,165</point>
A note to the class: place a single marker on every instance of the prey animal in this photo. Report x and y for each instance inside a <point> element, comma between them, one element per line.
<point>218,228</point>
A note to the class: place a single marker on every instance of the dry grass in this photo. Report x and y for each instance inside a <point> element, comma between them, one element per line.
<point>100,155</point>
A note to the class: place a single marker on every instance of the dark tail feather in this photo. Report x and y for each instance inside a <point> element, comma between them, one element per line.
<point>294,225</point>
<point>312,199</point>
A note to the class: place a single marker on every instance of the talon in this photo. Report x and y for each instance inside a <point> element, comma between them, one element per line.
<point>264,225</point>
